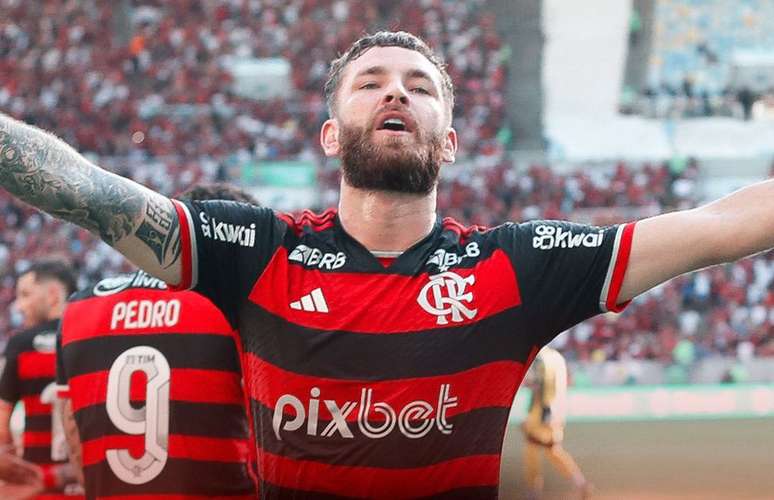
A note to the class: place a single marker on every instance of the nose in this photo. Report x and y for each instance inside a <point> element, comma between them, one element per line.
<point>396,93</point>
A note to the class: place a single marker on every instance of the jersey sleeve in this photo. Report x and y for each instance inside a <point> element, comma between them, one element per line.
<point>9,379</point>
<point>225,246</point>
<point>567,272</point>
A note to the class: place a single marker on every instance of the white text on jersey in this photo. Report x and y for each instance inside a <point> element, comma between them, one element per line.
<point>415,420</point>
<point>145,314</point>
<point>314,257</point>
<point>549,237</point>
<point>228,233</point>
<point>444,260</point>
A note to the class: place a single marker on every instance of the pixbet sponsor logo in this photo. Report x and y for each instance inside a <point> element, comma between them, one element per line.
<point>227,233</point>
<point>549,237</point>
<point>314,257</point>
<point>415,420</point>
<point>444,260</point>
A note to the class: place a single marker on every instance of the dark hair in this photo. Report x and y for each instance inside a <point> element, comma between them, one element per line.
<point>53,269</point>
<point>400,39</point>
<point>217,191</point>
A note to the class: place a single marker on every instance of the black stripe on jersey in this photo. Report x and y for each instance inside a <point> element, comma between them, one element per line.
<point>38,454</point>
<point>179,476</point>
<point>396,451</point>
<point>427,353</point>
<point>272,491</point>
<point>470,493</point>
<point>200,351</point>
<point>34,386</point>
<point>190,419</point>
<point>37,423</point>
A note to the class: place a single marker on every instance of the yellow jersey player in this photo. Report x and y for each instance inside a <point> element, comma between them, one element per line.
<point>544,426</point>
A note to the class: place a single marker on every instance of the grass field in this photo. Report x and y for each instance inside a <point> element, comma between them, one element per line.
<point>661,460</point>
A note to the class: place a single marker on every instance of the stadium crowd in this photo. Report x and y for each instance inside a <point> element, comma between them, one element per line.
<point>156,106</point>
<point>695,46</point>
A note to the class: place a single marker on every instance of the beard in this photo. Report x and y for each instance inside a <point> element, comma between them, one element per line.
<point>393,165</point>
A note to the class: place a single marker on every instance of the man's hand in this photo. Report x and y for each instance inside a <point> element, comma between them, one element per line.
<point>21,479</point>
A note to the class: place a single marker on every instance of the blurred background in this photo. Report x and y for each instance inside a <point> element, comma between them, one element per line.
<point>598,111</point>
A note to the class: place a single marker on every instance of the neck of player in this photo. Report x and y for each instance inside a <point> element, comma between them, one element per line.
<point>386,221</point>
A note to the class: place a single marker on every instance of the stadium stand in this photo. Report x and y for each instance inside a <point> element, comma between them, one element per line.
<point>696,44</point>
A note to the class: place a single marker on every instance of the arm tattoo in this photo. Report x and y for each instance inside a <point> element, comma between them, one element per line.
<point>160,231</point>
<point>45,172</point>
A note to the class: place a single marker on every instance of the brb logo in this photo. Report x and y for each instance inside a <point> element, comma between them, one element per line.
<point>415,420</point>
<point>444,295</point>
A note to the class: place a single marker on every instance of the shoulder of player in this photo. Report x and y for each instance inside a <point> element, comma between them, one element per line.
<point>24,340</point>
<point>308,220</point>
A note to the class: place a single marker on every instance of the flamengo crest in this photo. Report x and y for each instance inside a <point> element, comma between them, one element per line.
<point>445,294</point>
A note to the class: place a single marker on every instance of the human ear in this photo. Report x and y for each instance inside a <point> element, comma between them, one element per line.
<point>329,137</point>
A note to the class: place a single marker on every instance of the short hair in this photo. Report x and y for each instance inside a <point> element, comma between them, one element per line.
<point>53,269</point>
<point>217,191</point>
<point>400,39</point>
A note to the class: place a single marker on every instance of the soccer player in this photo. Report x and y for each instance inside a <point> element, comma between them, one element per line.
<point>151,383</point>
<point>30,367</point>
<point>383,344</point>
<point>544,426</point>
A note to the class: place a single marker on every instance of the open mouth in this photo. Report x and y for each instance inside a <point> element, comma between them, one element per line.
<point>394,124</point>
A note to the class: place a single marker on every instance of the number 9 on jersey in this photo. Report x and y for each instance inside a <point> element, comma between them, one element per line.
<point>150,420</point>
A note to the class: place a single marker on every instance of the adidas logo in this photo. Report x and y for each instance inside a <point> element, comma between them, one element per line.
<point>311,302</point>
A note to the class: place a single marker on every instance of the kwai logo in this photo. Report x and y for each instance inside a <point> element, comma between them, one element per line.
<point>444,260</point>
<point>415,420</point>
<point>314,257</point>
<point>549,237</point>
<point>444,295</point>
<point>228,233</point>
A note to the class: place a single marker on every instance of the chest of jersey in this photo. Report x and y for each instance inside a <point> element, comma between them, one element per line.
<point>453,290</point>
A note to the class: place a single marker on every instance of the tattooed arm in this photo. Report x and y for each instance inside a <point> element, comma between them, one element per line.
<point>43,171</point>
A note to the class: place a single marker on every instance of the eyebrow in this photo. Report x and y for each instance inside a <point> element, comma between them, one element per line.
<point>381,70</point>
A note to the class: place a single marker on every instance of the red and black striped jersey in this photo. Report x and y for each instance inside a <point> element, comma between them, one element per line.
<point>397,381</point>
<point>28,376</point>
<point>155,383</point>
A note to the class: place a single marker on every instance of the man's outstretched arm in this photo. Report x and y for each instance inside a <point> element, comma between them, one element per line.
<point>725,230</point>
<point>43,171</point>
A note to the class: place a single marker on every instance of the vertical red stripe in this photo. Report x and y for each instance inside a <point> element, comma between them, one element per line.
<point>185,248</point>
<point>619,272</point>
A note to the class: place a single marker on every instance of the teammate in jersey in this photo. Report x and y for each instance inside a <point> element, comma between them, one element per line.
<point>151,379</point>
<point>366,380</point>
<point>30,367</point>
<point>544,426</point>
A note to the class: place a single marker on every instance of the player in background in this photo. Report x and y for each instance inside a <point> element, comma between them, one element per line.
<point>151,383</point>
<point>30,368</point>
<point>544,426</point>
<point>374,380</point>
